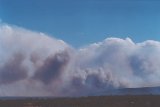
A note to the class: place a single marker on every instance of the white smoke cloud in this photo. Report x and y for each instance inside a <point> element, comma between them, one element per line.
<point>25,57</point>
<point>34,64</point>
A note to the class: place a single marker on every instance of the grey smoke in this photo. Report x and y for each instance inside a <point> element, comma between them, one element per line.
<point>52,68</point>
<point>13,70</point>
<point>34,64</point>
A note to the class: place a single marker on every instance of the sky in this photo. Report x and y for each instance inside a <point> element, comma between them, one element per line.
<point>81,22</point>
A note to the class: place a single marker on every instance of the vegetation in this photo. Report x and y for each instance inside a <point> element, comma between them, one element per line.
<point>97,101</point>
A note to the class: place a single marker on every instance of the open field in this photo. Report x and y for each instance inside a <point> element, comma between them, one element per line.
<point>100,101</point>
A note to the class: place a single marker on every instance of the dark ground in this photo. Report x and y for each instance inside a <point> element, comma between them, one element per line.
<point>101,101</point>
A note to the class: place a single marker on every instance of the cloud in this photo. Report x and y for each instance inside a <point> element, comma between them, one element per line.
<point>34,64</point>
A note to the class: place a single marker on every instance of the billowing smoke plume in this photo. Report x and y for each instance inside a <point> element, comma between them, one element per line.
<point>34,64</point>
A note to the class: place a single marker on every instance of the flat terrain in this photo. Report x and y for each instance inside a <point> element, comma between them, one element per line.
<point>99,101</point>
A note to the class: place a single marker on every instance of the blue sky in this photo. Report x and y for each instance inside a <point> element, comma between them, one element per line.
<point>81,22</point>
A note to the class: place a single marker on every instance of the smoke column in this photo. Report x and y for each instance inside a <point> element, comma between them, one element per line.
<point>34,64</point>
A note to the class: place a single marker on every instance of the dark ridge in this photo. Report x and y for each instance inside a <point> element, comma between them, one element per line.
<point>111,92</point>
<point>129,91</point>
<point>128,97</point>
